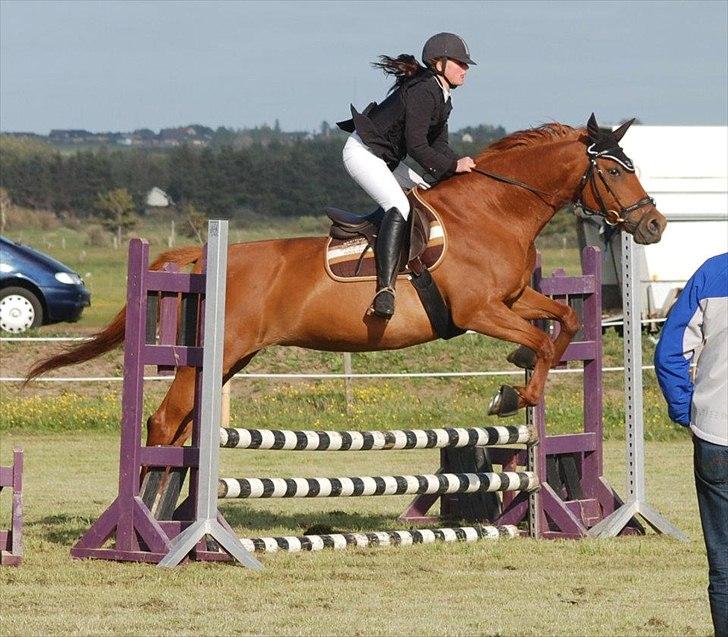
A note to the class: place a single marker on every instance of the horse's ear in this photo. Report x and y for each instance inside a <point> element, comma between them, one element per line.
<point>593,128</point>
<point>619,133</point>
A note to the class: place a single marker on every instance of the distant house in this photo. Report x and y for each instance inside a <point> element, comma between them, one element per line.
<point>193,134</point>
<point>71,136</point>
<point>157,198</point>
<point>22,134</point>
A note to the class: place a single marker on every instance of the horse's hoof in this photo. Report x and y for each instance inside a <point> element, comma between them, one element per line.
<point>523,357</point>
<point>504,403</point>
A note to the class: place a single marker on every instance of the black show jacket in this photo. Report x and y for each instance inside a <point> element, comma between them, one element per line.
<point>412,121</point>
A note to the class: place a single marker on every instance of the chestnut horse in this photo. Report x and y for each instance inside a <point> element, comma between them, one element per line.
<point>278,292</point>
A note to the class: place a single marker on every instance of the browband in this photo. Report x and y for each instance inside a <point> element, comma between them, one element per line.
<point>616,154</point>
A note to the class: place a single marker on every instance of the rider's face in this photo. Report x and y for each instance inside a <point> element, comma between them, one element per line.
<point>455,72</point>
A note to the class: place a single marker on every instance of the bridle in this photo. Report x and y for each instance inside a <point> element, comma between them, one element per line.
<point>611,217</point>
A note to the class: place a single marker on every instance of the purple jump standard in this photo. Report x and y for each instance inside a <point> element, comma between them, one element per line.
<point>11,540</point>
<point>128,530</point>
<point>128,523</point>
<point>574,494</point>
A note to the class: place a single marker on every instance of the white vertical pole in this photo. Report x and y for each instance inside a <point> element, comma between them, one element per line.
<point>347,382</point>
<point>206,522</point>
<point>636,503</point>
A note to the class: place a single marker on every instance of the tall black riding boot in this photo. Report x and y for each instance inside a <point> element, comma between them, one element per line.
<point>387,249</point>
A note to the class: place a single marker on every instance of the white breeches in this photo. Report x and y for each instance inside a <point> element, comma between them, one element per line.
<point>375,178</point>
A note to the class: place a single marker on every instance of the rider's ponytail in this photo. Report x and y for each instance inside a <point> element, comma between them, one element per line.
<point>403,67</point>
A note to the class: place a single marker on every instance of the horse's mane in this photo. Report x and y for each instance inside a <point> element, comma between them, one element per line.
<point>531,137</point>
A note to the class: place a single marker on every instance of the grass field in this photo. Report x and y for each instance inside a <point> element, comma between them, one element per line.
<point>627,586</point>
<point>648,585</point>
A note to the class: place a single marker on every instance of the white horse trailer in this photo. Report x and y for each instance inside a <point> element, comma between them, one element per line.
<point>685,169</point>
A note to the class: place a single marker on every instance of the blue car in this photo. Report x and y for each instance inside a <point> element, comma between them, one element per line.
<point>36,290</point>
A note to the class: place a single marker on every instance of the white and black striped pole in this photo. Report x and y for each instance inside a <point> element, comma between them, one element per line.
<point>636,503</point>
<point>206,518</point>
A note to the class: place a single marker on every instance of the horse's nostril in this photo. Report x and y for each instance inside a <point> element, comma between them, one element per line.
<point>654,226</point>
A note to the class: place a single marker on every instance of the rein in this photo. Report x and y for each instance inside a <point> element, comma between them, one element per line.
<point>611,217</point>
<point>513,182</point>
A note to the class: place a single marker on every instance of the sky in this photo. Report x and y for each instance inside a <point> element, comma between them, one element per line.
<point>119,66</point>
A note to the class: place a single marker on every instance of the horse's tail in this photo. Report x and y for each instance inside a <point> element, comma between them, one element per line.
<point>113,334</point>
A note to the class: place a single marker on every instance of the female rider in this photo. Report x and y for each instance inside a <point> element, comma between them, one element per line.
<point>412,121</point>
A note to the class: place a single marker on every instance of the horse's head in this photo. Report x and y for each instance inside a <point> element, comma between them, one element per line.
<point>610,188</point>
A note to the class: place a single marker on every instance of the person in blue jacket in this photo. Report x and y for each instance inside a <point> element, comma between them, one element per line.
<point>696,331</point>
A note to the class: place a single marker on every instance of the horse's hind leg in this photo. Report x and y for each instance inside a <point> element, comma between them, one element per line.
<point>533,306</point>
<point>169,424</point>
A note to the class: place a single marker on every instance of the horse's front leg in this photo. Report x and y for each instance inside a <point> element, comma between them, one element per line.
<point>501,322</point>
<point>532,306</point>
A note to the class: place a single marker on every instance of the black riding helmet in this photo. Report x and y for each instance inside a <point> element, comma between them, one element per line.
<point>446,45</point>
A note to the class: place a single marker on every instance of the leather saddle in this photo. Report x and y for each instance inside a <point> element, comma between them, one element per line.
<point>347,226</point>
<point>348,257</point>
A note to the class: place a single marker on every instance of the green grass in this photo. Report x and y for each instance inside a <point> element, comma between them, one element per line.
<point>648,585</point>
<point>403,402</point>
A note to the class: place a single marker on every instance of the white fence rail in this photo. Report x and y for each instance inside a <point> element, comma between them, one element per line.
<point>347,375</point>
<point>253,376</point>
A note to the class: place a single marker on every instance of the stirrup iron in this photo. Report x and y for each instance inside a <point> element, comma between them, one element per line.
<point>387,311</point>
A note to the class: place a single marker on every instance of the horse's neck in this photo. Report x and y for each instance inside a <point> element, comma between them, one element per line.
<point>553,169</point>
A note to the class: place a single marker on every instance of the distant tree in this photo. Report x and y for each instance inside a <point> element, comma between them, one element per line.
<point>117,210</point>
<point>24,147</point>
<point>5,204</point>
<point>184,172</point>
<point>223,137</point>
<point>195,223</point>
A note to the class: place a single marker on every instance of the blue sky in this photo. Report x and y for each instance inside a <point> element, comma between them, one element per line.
<point>123,65</point>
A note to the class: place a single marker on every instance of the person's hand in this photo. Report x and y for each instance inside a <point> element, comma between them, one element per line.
<point>465,165</point>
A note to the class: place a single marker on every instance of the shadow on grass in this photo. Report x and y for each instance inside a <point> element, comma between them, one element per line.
<point>314,522</point>
<point>62,529</point>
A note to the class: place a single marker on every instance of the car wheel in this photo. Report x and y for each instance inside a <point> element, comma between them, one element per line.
<point>20,310</point>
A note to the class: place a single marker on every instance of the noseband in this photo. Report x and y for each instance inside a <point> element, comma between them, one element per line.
<point>611,217</point>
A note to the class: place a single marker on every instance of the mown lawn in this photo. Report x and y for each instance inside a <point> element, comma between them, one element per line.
<point>648,585</point>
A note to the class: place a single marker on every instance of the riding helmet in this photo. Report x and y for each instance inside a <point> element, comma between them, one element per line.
<point>446,45</point>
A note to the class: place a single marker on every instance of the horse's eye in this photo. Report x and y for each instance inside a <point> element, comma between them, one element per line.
<point>614,171</point>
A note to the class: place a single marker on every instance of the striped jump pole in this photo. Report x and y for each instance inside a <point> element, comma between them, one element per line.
<point>340,541</point>
<point>434,484</point>
<point>286,440</point>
